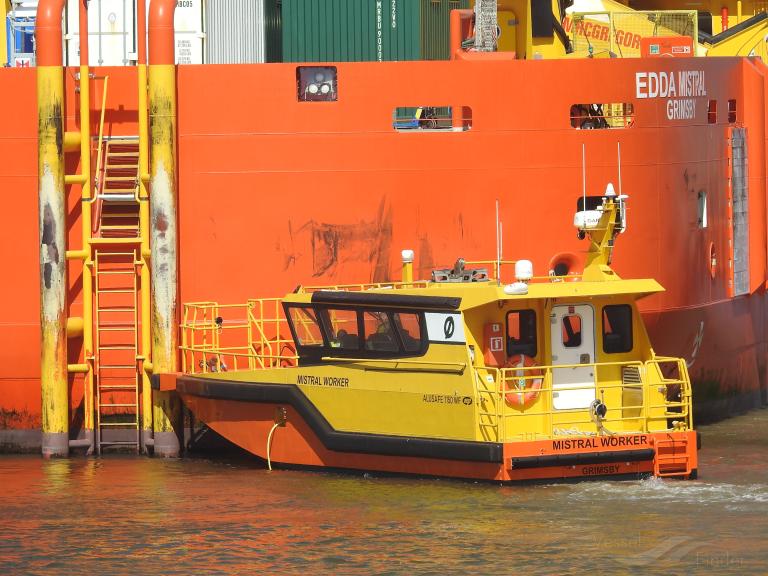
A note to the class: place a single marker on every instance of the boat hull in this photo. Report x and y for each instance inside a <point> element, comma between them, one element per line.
<point>301,441</point>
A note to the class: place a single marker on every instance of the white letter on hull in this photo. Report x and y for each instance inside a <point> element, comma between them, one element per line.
<point>641,85</point>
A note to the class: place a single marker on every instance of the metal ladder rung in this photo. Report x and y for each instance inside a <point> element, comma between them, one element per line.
<point>117,405</point>
<point>119,443</point>
<point>119,215</point>
<point>116,290</point>
<point>118,387</point>
<point>117,271</point>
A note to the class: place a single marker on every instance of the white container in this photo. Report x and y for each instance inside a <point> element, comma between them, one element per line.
<point>112,32</point>
<point>236,32</point>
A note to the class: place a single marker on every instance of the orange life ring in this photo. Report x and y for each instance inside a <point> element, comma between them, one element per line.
<point>522,391</point>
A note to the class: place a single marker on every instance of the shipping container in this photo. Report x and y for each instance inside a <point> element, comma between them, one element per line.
<point>239,32</point>
<point>112,32</point>
<point>366,30</point>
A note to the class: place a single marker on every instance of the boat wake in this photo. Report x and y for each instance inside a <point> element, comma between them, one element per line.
<point>731,496</point>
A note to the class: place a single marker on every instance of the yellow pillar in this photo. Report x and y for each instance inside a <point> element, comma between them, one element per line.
<point>53,262</point>
<point>164,245</point>
<point>86,216</point>
<point>146,302</point>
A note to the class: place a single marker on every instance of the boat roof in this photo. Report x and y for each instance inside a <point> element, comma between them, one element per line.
<point>464,296</point>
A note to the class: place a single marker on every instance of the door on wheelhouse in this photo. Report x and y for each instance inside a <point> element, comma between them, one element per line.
<point>573,347</point>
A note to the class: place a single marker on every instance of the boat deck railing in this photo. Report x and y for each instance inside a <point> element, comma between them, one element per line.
<point>500,421</point>
<point>225,337</point>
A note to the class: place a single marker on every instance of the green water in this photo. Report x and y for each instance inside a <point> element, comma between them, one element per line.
<point>127,515</point>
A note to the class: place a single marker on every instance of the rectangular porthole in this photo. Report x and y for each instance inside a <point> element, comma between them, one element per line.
<point>432,118</point>
<point>712,112</point>
<point>731,111</point>
<point>601,116</point>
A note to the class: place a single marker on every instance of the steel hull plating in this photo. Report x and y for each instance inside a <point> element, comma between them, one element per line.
<point>273,191</point>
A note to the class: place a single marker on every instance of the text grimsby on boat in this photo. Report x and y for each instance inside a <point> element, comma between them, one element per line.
<point>460,376</point>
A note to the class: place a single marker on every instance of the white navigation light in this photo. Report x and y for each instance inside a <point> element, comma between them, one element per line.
<point>609,191</point>
<point>312,88</point>
<point>319,77</point>
<point>325,88</point>
<point>407,256</point>
<point>523,270</point>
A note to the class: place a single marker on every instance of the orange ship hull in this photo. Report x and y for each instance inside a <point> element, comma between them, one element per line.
<point>273,191</point>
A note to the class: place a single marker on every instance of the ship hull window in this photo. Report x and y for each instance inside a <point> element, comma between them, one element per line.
<point>617,329</point>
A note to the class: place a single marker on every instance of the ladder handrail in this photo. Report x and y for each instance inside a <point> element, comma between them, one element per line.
<point>98,178</point>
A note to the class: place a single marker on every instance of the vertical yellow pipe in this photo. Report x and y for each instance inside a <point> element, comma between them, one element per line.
<point>85,170</point>
<point>738,11</point>
<point>146,302</point>
<point>53,263</point>
<point>164,243</point>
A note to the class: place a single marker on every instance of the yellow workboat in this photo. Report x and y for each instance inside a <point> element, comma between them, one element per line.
<point>459,376</point>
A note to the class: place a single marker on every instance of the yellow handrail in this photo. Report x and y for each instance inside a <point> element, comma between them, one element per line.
<point>101,138</point>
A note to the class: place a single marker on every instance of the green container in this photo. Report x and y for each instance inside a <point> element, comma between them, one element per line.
<point>273,30</point>
<point>366,30</point>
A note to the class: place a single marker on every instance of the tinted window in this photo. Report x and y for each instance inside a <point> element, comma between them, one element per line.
<point>379,333</point>
<point>307,328</point>
<point>409,327</point>
<point>342,329</point>
<point>521,333</point>
<point>571,331</point>
<point>617,328</point>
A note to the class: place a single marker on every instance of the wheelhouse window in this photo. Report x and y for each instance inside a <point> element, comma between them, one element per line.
<point>379,332</point>
<point>306,327</point>
<point>356,331</point>
<point>521,333</point>
<point>571,331</point>
<point>617,329</point>
<point>409,328</point>
<point>343,330</point>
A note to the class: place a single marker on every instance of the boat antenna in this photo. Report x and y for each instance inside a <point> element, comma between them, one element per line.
<point>618,150</point>
<point>498,245</point>
<point>622,198</point>
<point>584,176</point>
<point>501,247</point>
